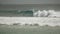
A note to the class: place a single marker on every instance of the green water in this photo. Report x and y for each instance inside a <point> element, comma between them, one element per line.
<point>29,30</point>
<point>17,13</point>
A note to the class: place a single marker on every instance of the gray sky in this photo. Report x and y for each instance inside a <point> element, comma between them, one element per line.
<point>29,1</point>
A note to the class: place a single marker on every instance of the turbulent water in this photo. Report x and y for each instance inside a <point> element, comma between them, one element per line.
<point>31,20</point>
<point>9,17</point>
<point>9,14</point>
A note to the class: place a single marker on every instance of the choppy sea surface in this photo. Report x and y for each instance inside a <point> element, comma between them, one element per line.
<point>30,20</point>
<point>10,14</point>
<point>13,16</point>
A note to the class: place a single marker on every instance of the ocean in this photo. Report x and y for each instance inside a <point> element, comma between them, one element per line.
<point>31,6</point>
<point>10,15</point>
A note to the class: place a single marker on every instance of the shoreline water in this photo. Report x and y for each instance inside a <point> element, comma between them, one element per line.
<point>30,20</point>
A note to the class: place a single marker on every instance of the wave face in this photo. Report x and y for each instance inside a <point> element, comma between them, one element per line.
<point>16,13</point>
<point>29,13</point>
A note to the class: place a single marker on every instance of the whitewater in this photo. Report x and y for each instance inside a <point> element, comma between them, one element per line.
<point>30,20</point>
